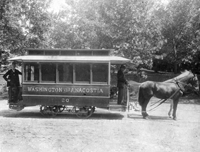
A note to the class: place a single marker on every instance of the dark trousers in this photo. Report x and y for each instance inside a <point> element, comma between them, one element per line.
<point>120,95</point>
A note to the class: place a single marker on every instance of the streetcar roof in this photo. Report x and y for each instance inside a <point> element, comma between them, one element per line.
<point>93,59</point>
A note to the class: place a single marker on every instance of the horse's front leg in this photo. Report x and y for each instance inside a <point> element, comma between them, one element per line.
<point>175,103</point>
<point>170,110</point>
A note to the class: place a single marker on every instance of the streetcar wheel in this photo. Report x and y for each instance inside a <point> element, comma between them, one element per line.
<point>43,109</point>
<point>54,110</point>
<point>50,111</point>
<point>61,108</point>
<point>85,112</point>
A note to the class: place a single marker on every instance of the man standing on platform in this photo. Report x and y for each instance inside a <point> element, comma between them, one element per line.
<point>121,82</point>
<point>13,83</point>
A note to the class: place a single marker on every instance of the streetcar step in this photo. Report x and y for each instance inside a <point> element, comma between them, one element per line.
<point>116,107</point>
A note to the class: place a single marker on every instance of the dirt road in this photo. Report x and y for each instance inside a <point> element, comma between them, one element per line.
<point>29,131</point>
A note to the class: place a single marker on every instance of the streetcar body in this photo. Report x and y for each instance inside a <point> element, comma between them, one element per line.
<point>61,77</point>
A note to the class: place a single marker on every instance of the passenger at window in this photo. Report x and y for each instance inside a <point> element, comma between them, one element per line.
<point>13,83</point>
<point>121,82</point>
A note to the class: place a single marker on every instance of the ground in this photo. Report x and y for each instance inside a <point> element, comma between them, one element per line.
<point>105,131</point>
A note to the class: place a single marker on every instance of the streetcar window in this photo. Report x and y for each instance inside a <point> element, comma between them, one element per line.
<point>100,73</point>
<point>65,72</point>
<point>31,72</point>
<point>82,72</point>
<point>100,53</point>
<point>68,53</point>
<point>35,52</point>
<point>81,53</point>
<point>52,52</point>
<point>48,72</point>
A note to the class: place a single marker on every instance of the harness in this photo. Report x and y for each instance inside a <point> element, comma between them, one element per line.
<point>162,101</point>
<point>179,89</point>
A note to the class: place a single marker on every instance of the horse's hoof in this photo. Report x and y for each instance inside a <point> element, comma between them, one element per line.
<point>170,116</point>
<point>175,118</point>
<point>145,117</point>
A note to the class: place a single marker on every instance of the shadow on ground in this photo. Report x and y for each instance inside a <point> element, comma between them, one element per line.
<point>150,117</point>
<point>96,116</point>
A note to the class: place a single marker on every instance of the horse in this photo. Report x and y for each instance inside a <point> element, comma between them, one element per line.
<point>133,92</point>
<point>185,83</point>
<point>133,87</point>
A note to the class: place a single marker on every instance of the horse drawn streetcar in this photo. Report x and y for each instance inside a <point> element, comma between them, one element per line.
<point>71,80</point>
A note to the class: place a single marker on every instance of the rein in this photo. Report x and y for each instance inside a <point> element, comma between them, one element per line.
<point>163,100</point>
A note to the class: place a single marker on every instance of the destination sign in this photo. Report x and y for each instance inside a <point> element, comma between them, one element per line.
<point>66,90</point>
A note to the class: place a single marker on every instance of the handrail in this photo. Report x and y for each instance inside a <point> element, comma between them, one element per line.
<point>127,98</point>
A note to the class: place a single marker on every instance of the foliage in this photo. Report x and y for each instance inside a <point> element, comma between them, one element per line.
<point>23,24</point>
<point>126,26</point>
<point>143,31</point>
<point>179,29</point>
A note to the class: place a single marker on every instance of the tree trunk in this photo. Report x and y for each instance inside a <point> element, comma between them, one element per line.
<point>175,67</point>
<point>175,56</point>
<point>0,59</point>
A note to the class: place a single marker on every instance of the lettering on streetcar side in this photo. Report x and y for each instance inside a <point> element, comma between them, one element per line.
<point>65,89</point>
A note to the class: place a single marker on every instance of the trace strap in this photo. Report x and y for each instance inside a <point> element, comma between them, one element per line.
<point>163,100</point>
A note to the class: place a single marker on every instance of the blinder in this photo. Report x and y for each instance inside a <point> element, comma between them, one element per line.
<point>190,86</point>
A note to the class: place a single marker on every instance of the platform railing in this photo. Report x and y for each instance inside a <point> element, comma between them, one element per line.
<point>126,97</point>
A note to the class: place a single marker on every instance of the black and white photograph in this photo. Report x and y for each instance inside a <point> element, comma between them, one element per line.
<point>99,75</point>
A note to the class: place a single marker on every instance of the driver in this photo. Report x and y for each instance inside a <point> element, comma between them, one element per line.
<point>121,82</point>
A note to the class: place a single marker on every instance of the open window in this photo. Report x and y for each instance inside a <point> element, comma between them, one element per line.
<point>65,72</point>
<point>31,72</point>
<point>100,73</point>
<point>48,72</point>
<point>88,73</point>
<point>82,73</point>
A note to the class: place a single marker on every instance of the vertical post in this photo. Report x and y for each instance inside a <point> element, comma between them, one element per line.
<point>127,98</point>
<point>109,79</point>
<point>22,70</point>
<point>91,74</point>
<point>57,73</point>
<point>40,73</point>
<point>74,74</point>
<point>109,74</point>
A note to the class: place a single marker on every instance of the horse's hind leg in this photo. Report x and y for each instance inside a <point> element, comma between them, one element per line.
<point>143,98</point>
<point>144,106</point>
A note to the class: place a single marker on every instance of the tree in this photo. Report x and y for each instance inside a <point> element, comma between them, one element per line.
<point>23,23</point>
<point>177,29</point>
<point>126,26</point>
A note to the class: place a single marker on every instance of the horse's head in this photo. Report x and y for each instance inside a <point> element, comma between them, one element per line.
<point>188,82</point>
<point>192,83</point>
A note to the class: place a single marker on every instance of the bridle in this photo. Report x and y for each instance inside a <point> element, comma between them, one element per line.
<point>184,85</point>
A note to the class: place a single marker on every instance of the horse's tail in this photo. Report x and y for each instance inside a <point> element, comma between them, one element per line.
<point>140,96</point>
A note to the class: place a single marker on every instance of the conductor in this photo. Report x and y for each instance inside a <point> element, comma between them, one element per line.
<point>12,78</point>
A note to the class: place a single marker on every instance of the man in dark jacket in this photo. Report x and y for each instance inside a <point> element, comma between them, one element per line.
<point>12,78</point>
<point>121,82</point>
